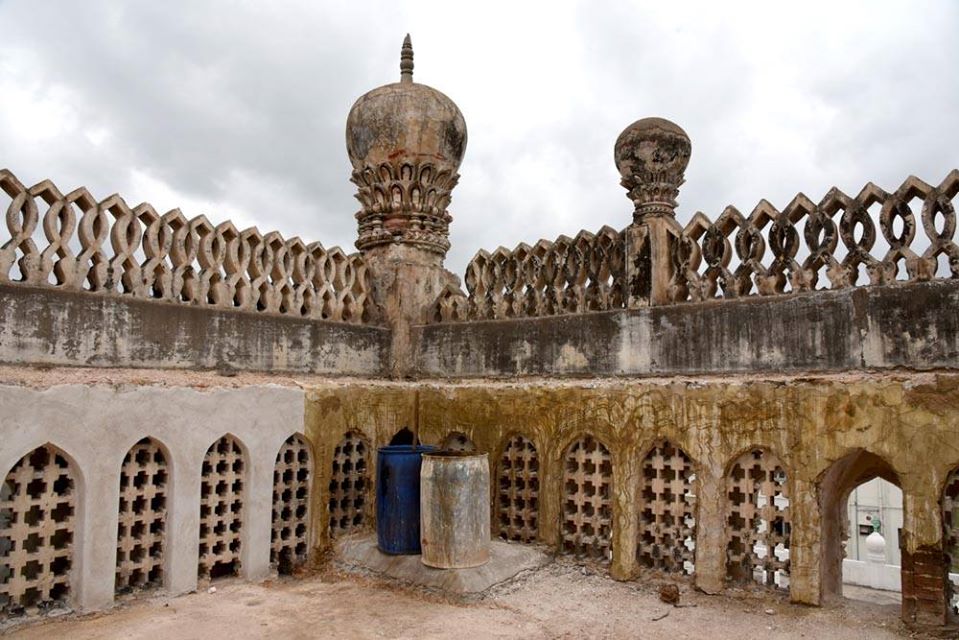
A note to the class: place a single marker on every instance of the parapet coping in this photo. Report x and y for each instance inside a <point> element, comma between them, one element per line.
<point>45,377</point>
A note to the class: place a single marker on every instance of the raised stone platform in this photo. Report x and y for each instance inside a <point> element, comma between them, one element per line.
<point>507,560</point>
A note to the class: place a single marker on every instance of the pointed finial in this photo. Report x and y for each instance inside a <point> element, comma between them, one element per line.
<point>406,60</point>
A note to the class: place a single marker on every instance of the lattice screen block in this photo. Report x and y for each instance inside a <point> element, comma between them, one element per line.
<point>291,505</point>
<point>349,485</point>
<point>38,503</point>
<point>758,524</point>
<point>142,518</point>
<point>518,491</point>
<point>221,509</point>
<point>587,513</point>
<point>950,535</point>
<point>457,441</point>
<point>667,511</point>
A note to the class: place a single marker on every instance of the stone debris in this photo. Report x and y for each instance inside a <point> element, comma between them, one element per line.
<point>669,593</point>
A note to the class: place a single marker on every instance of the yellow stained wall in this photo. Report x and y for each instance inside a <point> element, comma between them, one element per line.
<point>911,421</point>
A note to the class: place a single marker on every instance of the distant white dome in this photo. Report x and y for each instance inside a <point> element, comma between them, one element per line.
<point>876,547</point>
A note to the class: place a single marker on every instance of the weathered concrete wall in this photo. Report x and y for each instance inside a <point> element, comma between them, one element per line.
<point>95,425</point>
<point>910,421</point>
<point>44,326</point>
<point>912,326</point>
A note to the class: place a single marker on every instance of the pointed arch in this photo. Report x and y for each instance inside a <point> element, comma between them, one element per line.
<point>349,485</point>
<point>222,494</point>
<point>39,499</point>
<point>141,522</point>
<point>758,520</point>
<point>835,485</point>
<point>666,539</point>
<point>517,490</point>
<point>587,499</point>
<point>289,544</point>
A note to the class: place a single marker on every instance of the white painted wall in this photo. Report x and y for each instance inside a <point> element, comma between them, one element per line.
<point>875,498</point>
<point>96,425</point>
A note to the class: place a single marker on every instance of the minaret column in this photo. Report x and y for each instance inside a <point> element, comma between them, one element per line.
<point>405,141</point>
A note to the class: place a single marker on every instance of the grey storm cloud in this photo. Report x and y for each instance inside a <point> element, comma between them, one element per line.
<point>237,109</point>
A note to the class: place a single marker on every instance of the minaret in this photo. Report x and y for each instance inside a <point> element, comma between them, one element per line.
<point>405,141</point>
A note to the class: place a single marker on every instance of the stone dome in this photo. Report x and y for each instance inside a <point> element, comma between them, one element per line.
<point>405,121</point>
<point>405,142</point>
<point>652,146</point>
<point>651,155</point>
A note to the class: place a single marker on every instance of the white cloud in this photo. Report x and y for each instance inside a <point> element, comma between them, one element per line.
<point>237,109</point>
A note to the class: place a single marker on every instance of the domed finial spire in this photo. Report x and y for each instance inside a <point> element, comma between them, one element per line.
<point>651,155</point>
<point>406,60</point>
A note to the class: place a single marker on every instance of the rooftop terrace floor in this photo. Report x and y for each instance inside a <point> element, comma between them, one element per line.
<point>561,600</point>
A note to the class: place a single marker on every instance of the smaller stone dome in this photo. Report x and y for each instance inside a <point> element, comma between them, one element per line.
<point>651,155</point>
<point>652,145</point>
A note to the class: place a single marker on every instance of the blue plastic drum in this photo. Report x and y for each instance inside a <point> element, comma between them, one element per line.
<point>398,498</point>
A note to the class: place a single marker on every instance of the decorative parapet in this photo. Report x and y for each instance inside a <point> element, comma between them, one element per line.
<point>568,275</point>
<point>109,248</point>
<point>805,247</point>
<point>728,258</point>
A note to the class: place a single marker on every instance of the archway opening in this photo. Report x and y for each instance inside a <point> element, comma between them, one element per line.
<point>404,436</point>
<point>871,570</point>
<point>862,514</point>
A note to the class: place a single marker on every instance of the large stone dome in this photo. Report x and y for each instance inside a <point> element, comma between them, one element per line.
<point>405,121</point>
<point>405,141</point>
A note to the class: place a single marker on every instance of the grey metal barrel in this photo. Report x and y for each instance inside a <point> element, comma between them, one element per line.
<point>454,509</point>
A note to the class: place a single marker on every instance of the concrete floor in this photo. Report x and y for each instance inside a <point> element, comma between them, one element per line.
<point>562,600</point>
<point>875,596</point>
<point>360,554</point>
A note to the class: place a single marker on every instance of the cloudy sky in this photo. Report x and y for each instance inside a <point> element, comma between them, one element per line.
<point>237,109</point>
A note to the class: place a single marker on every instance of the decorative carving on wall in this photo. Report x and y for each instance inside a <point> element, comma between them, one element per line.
<point>38,507</point>
<point>289,542</point>
<point>667,511</point>
<point>107,247</point>
<point>758,525</point>
<point>144,479</point>
<point>404,203</point>
<point>222,489</point>
<point>518,491</point>
<point>587,490</point>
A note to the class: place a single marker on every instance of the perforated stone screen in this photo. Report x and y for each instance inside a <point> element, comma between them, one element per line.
<point>221,509</point>
<point>758,524</point>
<point>518,491</point>
<point>349,485</point>
<point>667,511</point>
<point>587,514</point>
<point>950,536</point>
<point>291,505</point>
<point>38,504</point>
<point>141,525</point>
<point>457,441</point>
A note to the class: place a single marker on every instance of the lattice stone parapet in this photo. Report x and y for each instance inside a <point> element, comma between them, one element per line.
<point>807,246</point>
<point>109,247</point>
<point>728,257</point>
<point>567,275</point>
